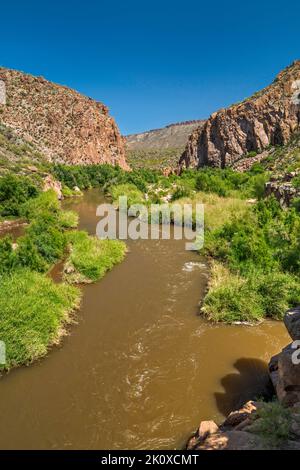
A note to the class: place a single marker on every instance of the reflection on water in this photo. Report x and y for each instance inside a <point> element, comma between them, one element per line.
<point>140,368</point>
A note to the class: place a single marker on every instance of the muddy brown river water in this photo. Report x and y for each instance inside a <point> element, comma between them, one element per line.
<point>140,368</point>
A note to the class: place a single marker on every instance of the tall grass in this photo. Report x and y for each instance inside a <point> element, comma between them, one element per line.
<point>234,298</point>
<point>90,258</point>
<point>33,313</point>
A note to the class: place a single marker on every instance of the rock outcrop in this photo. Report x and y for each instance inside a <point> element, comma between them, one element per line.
<point>285,367</point>
<point>50,183</point>
<point>258,424</point>
<point>64,125</point>
<point>270,117</point>
<point>283,190</point>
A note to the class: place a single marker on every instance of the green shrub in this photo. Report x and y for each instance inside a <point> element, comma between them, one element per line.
<point>273,425</point>
<point>251,154</point>
<point>7,255</point>
<point>86,176</point>
<point>14,192</point>
<point>257,185</point>
<point>49,239</point>
<point>180,192</point>
<point>296,182</point>
<point>278,291</point>
<point>45,202</point>
<point>296,204</point>
<point>28,255</point>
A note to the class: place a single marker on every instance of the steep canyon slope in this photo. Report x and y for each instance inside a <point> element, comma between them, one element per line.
<point>160,148</point>
<point>64,125</point>
<point>269,117</point>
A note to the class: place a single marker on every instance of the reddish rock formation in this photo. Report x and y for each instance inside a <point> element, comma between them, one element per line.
<point>269,117</point>
<point>50,183</point>
<point>64,125</point>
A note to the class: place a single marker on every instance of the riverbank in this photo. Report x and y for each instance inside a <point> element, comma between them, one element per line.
<point>35,310</point>
<point>9,225</point>
<point>260,425</point>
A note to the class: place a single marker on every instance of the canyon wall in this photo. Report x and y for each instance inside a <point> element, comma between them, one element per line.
<point>269,117</point>
<point>64,125</point>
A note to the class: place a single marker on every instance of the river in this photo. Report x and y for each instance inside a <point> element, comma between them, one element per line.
<point>140,368</point>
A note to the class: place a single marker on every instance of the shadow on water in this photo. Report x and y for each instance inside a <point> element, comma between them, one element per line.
<point>250,382</point>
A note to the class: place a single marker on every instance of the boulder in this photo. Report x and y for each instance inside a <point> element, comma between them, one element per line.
<point>292,322</point>
<point>205,429</point>
<point>285,375</point>
<point>232,440</point>
<point>235,418</point>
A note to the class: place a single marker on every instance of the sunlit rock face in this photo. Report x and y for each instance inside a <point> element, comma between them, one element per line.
<point>269,117</point>
<point>64,125</point>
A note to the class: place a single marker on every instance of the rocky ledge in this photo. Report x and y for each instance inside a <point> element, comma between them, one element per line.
<point>260,425</point>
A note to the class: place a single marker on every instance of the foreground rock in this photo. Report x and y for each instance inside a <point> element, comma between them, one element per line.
<point>270,117</point>
<point>248,429</point>
<point>64,125</point>
<point>292,322</point>
<point>285,367</point>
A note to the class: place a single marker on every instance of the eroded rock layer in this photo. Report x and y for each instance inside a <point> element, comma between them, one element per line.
<point>270,117</point>
<point>64,125</point>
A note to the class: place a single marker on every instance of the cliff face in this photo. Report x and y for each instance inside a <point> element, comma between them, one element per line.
<point>64,125</point>
<point>270,117</point>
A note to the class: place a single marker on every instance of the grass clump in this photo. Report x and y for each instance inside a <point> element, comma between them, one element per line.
<point>68,219</point>
<point>90,258</point>
<point>230,298</point>
<point>234,298</point>
<point>133,194</point>
<point>33,312</point>
<point>273,423</point>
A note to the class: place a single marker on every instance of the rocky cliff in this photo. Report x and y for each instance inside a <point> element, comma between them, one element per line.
<point>270,117</point>
<point>64,125</point>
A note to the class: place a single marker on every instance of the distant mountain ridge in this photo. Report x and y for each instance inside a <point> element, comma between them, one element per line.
<point>171,136</point>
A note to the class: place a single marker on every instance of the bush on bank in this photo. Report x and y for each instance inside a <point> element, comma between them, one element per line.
<point>14,192</point>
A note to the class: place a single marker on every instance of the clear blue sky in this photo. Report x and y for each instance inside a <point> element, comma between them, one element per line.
<point>155,62</point>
